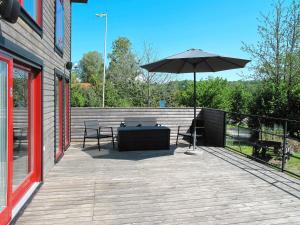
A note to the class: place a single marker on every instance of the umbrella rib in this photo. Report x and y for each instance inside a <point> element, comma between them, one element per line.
<point>157,67</point>
<point>225,60</point>
<point>181,67</point>
<point>209,66</point>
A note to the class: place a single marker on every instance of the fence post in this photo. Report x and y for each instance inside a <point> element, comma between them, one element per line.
<point>284,146</point>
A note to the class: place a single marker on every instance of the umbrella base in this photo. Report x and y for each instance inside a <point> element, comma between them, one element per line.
<point>197,151</point>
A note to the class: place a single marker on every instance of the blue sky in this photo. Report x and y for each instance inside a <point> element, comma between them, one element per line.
<point>170,26</point>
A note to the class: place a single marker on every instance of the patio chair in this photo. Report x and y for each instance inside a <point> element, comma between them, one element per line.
<point>92,130</point>
<point>190,132</point>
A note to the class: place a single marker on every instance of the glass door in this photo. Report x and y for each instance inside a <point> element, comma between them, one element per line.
<point>20,133</point>
<point>5,139</point>
<point>22,153</point>
<point>27,126</point>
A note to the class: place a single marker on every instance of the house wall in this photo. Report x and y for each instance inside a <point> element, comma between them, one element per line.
<point>43,47</point>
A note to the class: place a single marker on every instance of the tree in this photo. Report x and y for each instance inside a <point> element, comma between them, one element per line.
<point>276,56</point>
<point>123,63</point>
<point>151,78</point>
<point>90,68</point>
<point>123,72</point>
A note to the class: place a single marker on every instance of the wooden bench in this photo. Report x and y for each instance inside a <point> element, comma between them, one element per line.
<point>261,147</point>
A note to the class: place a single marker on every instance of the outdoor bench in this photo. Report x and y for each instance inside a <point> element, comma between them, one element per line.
<point>260,148</point>
<point>143,138</point>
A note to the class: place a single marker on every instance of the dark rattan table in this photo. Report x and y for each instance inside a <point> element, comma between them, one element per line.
<point>143,138</point>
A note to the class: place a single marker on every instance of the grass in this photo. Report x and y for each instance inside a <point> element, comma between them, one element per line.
<point>243,148</point>
<point>292,165</point>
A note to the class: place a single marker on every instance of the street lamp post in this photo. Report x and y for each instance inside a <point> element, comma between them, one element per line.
<point>104,64</point>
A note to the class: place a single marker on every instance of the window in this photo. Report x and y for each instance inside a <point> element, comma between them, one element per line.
<point>31,8</point>
<point>34,9</point>
<point>59,26</point>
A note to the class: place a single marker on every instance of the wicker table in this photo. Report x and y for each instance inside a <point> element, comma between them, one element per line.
<point>143,138</point>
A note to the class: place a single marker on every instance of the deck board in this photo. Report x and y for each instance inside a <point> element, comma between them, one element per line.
<point>163,187</point>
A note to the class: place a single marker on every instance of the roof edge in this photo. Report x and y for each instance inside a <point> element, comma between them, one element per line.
<point>79,1</point>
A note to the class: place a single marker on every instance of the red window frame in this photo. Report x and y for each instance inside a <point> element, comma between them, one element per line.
<point>39,4</point>
<point>59,94</point>
<point>13,197</point>
<point>67,114</point>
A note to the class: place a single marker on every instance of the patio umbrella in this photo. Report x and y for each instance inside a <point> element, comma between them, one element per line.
<point>193,61</point>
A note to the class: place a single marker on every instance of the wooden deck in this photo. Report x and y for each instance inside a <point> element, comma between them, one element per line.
<point>163,187</point>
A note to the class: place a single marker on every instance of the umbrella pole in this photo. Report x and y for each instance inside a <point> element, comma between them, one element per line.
<point>195,97</point>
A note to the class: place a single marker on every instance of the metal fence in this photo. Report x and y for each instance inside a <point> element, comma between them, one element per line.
<point>272,141</point>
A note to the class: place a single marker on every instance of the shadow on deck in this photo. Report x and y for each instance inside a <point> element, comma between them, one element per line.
<point>107,152</point>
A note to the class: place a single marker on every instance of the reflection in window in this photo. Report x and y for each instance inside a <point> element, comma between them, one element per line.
<point>59,25</point>
<point>21,126</point>
<point>31,8</point>
<point>3,134</point>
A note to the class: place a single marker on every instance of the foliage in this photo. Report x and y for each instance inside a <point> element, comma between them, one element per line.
<point>211,93</point>
<point>276,55</point>
<point>77,96</point>
<point>20,90</point>
<point>84,94</point>
<point>90,68</point>
<point>276,59</point>
<point>123,72</point>
<point>87,81</point>
<point>165,91</point>
<point>123,63</point>
<point>238,101</point>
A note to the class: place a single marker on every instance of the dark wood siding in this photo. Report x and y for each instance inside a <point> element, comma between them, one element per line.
<point>214,127</point>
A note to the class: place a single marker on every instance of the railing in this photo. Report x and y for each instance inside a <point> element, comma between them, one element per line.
<point>273,141</point>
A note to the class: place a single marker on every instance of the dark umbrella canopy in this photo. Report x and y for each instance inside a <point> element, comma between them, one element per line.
<point>192,61</point>
<point>195,60</point>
